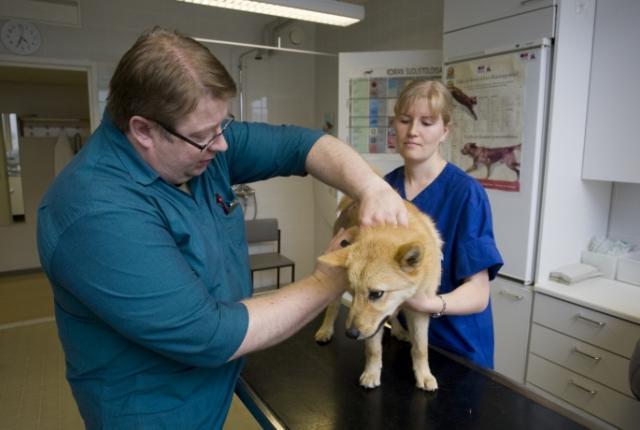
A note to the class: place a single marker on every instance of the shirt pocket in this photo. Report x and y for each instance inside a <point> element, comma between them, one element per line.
<point>231,215</point>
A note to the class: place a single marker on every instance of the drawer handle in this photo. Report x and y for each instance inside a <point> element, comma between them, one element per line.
<point>590,321</point>
<point>583,388</point>
<point>514,297</point>
<point>524,2</point>
<point>586,354</point>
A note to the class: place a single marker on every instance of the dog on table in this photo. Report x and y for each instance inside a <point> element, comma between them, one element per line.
<point>490,156</point>
<point>386,265</point>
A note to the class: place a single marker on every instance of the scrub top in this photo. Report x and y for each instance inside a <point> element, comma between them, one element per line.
<point>460,208</point>
<point>147,278</point>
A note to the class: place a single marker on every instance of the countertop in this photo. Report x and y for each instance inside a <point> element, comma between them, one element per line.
<point>615,298</point>
<point>299,384</point>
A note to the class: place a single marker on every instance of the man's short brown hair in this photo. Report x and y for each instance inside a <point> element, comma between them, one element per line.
<point>163,76</point>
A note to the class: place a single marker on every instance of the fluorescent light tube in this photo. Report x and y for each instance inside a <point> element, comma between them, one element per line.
<point>321,11</point>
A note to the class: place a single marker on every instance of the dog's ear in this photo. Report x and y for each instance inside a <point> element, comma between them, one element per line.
<point>339,257</point>
<point>409,256</point>
<point>336,258</point>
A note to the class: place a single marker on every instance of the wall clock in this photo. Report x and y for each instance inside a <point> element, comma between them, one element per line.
<point>20,37</point>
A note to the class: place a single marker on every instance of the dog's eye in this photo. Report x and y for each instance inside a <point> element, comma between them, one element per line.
<point>375,294</point>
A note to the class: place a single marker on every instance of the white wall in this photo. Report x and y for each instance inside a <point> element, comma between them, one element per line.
<point>278,89</point>
<point>624,219</point>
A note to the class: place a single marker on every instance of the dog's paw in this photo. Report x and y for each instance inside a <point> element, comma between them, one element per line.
<point>427,383</point>
<point>324,336</point>
<point>370,379</point>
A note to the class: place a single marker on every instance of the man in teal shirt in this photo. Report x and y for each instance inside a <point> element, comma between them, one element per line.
<point>147,257</point>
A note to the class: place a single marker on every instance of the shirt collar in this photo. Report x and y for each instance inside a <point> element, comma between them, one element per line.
<point>137,167</point>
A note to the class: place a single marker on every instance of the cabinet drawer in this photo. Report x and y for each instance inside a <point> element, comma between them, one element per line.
<point>583,393</point>
<point>596,328</point>
<point>595,363</point>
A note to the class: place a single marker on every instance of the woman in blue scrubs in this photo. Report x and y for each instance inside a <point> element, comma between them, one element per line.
<point>461,313</point>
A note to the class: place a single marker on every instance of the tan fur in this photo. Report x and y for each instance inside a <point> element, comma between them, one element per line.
<point>394,261</point>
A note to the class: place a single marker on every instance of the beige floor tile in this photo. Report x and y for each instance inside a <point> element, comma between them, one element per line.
<point>25,297</point>
<point>35,394</point>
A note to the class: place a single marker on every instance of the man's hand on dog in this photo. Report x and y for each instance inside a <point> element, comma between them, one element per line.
<point>380,204</point>
<point>334,275</point>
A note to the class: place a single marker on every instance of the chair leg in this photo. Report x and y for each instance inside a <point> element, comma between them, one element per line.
<point>278,278</point>
<point>293,273</point>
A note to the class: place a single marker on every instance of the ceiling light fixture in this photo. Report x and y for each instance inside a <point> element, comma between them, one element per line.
<point>321,11</point>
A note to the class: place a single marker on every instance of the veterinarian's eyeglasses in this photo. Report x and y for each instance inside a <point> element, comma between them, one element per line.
<point>223,126</point>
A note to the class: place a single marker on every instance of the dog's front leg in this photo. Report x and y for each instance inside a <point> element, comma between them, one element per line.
<point>471,168</point>
<point>325,332</point>
<point>419,331</point>
<point>370,378</point>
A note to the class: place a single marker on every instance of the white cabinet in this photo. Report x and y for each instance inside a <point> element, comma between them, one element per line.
<point>465,13</point>
<point>581,356</point>
<point>511,306</point>
<point>612,147</point>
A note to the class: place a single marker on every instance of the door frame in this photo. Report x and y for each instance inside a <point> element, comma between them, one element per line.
<point>89,67</point>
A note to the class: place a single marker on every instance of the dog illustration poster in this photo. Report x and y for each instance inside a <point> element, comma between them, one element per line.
<point>371,102</point>
<point>486,137</point>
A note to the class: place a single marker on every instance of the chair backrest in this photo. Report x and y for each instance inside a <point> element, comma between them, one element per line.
<point>262,230</point>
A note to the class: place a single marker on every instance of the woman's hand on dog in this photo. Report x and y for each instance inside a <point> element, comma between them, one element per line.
<point>421,302</point>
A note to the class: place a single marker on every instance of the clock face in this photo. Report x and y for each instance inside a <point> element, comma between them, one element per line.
<point>20,37</point>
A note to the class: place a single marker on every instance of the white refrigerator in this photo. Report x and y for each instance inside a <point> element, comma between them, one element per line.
<point>498,136</point>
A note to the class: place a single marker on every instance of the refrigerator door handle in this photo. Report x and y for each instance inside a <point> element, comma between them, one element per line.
<point>514,297</point>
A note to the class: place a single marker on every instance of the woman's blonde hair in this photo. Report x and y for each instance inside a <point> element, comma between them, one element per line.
<point>163,76</point>
<point>436,94</point>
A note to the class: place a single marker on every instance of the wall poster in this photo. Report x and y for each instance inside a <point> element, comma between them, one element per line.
<point>486,137</point>
<point>371,102</point>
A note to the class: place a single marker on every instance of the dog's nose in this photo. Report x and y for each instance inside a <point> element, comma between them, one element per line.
<point>353,333</point>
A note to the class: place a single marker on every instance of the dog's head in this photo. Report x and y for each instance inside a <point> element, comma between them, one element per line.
<point>469,148</point>
<point>386,266</point>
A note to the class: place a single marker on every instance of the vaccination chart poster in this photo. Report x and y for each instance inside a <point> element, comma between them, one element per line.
<point>371,102</point>
<point>486,137</point>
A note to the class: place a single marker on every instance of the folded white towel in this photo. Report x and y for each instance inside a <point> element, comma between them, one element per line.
<point>572,273</point>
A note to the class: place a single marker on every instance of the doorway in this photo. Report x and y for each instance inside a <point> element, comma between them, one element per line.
<point>49,98</point>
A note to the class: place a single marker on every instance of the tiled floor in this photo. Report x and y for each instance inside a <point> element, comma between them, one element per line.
<point>33,391</point>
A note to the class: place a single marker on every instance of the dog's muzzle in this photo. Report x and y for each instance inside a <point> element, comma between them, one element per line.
<point>354,333</point>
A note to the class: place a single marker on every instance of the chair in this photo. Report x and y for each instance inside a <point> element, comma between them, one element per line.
<point>266,230</point>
